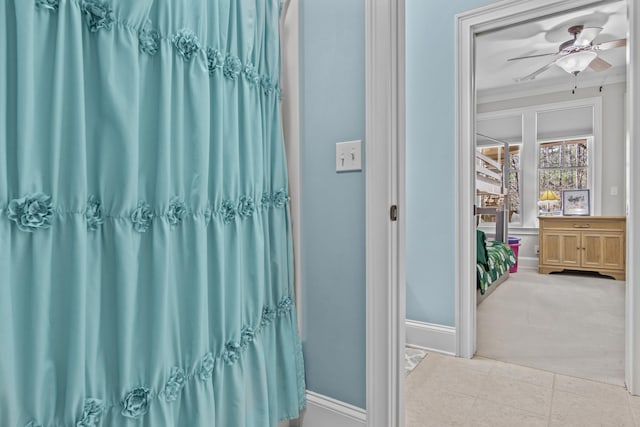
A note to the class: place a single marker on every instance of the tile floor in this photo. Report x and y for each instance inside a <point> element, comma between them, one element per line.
<point>446,391</point>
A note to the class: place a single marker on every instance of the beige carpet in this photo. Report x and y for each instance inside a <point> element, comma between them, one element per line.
<point>562,323</point>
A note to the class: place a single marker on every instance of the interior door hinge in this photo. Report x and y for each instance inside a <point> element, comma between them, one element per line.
<point>393,213</point>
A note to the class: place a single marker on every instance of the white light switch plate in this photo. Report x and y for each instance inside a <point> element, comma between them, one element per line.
<point>348,156</point>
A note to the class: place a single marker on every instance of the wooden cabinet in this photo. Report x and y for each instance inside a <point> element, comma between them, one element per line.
<point>587,243</point>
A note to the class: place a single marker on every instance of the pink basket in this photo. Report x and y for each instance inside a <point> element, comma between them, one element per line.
<point>514,247</point>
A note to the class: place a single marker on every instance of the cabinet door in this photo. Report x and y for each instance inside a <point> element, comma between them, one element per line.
<point>561,248</point>
<point>613,248</point>
<point>592,250</point>
<point>603,250</point>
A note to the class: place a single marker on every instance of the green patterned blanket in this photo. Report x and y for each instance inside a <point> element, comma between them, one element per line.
<point>499,258</point>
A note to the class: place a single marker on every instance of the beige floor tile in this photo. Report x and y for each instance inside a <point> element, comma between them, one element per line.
<point>517,394</point>
<point>444,391</point>
<point>521,373</point>
<point>486,413</point>
<point>477,363</point>
<point>634,401</point>
<point>569,409</point>
<point>437,373</point>
<point>606,393</point>
<point>438,408</point>
<point>419,379</point>
<point>431,360</point>
<point>458,379</point>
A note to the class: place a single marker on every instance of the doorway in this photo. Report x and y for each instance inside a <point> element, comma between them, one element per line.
<point>565,136</point>
<point>386,22</point>
<point>470,24</point>
<point>570,323</point>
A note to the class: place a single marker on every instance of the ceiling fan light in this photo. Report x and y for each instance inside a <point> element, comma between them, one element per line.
<point>576,62</point>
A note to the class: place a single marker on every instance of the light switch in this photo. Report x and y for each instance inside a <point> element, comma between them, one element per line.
<point>349,156</point>
<point>614,190</point>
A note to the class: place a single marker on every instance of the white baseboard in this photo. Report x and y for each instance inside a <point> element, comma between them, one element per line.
<point>323,411</point>
<point>528,262</point>
<point>431,337</point>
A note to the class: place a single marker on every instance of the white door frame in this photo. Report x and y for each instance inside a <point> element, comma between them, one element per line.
<point>494,16</point>
<point>384,167</point>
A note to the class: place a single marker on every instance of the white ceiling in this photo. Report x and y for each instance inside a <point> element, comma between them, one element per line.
<point>494,72</point>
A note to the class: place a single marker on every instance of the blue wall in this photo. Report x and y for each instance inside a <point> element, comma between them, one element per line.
<point>430,145</point>
<point>333,217</point>
<point>332,59</point>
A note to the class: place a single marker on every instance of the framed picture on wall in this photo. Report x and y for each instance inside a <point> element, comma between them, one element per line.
<point>575,202</point>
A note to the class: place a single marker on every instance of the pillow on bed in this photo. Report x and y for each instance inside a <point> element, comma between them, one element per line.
<point>481,248</point>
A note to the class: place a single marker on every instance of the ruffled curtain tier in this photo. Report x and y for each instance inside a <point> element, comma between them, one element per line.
<point>145,239</point>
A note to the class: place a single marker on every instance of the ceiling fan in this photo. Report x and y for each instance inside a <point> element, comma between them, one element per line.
<point>576,54</point>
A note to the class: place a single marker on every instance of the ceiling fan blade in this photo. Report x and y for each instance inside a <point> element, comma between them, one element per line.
<point>599,64</point>
<point>535,73</point>
<point>611,45</point>
<point>586,36</point>
<point>532,56</point>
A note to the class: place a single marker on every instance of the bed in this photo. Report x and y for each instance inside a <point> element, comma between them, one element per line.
<point>494,257</point>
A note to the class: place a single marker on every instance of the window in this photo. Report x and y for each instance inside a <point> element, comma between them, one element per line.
<point>555,146</point>
<point>496,153</point>
<point>563,165</point>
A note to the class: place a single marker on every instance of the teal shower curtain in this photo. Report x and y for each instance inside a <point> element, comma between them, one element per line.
<point>145,241</point>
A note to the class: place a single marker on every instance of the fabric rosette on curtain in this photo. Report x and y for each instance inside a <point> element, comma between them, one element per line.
<point>145,242</point>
